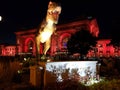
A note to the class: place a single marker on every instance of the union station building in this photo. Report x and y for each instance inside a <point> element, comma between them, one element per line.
<point>25,41</point>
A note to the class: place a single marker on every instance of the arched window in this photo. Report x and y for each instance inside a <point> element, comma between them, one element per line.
<point>64,43</point>
<point>30,46</point>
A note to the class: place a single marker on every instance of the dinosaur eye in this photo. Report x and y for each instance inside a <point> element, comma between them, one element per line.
<point>50,4</point>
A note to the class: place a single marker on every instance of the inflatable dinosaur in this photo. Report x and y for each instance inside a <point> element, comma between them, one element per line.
<point>48,27</point>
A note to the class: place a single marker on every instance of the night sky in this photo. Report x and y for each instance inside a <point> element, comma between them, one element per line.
<point>26,14</point>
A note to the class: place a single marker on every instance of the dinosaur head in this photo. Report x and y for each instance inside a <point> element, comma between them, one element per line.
<point>53,12</point>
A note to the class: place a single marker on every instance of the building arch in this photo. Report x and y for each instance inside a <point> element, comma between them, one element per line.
<point>63,41</point>
<point>29,45</point>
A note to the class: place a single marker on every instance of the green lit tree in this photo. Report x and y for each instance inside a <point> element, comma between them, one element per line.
<point>81,42</point>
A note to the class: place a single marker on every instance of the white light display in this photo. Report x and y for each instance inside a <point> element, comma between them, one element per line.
<point>84,70</point>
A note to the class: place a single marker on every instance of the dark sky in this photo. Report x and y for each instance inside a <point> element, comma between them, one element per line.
<point>25,14</point>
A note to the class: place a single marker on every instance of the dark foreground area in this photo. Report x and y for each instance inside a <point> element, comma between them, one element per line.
<point>113,84</point>
<point>11,78</point>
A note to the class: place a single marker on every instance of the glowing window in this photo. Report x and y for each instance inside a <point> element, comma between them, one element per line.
<point>64,43</point>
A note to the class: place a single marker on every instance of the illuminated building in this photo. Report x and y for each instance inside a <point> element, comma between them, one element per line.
<point>26,40</point>
<point>7,50</point>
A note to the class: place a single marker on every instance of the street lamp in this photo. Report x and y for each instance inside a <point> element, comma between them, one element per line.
<point>0,18</point>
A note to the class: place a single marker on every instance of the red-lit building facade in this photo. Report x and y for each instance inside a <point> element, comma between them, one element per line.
<point>26,40</point>
<point>7,50</point>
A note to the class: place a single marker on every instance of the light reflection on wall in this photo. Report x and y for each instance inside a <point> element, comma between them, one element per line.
<point>82,69</point>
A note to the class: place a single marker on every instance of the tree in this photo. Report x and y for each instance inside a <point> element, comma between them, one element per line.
<point>115,41</point>
<point>81,42</point>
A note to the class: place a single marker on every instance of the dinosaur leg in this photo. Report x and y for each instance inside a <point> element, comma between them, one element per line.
<point>46,48</point>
